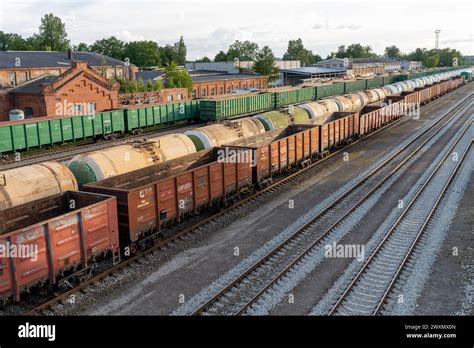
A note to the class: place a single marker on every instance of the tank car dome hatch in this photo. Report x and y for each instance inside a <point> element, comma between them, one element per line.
<point>29,183</point>
<point>250,126</point>
<point>330,106</point>
<point>172,146</point>
<point>357,101</point>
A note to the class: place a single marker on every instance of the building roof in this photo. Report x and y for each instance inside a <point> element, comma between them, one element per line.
<point>148,74</point>
<point>311,70</point>
<point>223,77</point>
<point>196,75</point>
<point>207,72</point>
<point>46,59</point>
<point>361,60</point>
<point>34,86</point>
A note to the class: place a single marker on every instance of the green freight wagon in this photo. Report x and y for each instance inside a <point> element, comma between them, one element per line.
<point>161,115</point>
<point>293,96</point>
<point>47,131</point>
<point>234,106</point>
<point>352,86</point>
<point>375,82</point>
<point>403,77</point>
<point>387,80</point>
<point>467,75</point>
<point>324,91</point>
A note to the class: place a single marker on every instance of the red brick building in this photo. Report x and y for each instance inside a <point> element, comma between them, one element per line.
<point>211,85</point>
<point>18,67</point>
<point>78,90</point>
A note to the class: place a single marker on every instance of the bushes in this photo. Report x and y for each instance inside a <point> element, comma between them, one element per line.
<point>128,86</point>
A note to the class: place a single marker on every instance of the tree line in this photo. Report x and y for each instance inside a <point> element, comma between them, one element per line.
<point>52,36</point>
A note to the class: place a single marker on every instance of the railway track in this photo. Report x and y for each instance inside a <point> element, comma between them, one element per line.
<point>69,150</point>
<point>246,289</point>
<point>59,298</point>
<point>371,286</point>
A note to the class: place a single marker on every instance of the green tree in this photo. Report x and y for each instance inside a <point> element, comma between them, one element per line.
<point>168,54</point>
<point>265,64</point>
<point>12,42</point>
<point>354,51</point>
<point>33,43</point>
<point>111,47</point>
<point>432,61</point>
<point>52,33</point>
<point>297,51</point>
<point>420,54</point>
<point>448,55</point>
<point>180,51</point>
<point>393,52</point>
<point>81,47</point>
<point>142,53</point>
<point>221,57</point>
<point>203,60</point>
<point>157,85</point>
<point>177,78</point>
<point>358,51</point>
<point>243,50</point>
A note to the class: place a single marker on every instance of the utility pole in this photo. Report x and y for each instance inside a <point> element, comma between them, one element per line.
<point>437,31</point>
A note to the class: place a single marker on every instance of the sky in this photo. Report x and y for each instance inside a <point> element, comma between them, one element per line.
<point>211,26</point>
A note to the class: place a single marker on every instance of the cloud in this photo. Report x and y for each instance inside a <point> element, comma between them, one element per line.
<point>469,39</point>
<point>126,36</point>
<point>330,24</point>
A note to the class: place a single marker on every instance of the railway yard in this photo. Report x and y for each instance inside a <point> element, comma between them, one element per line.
<point>280,267</point>
<point>347,207</point>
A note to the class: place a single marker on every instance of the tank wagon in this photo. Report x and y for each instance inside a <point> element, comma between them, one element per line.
<point>26,184</point>
<point>98,165</point>
<point>116,160</point>
<point>139,204</point>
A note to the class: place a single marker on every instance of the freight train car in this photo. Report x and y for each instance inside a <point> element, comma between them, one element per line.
<point>141,119</point>
<point>48,131</point>
<point>154,197</point>
<point>226,107</point>
<point>54,239</point>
